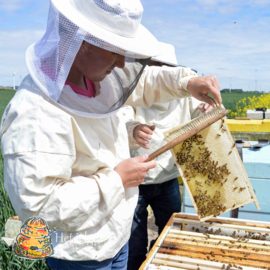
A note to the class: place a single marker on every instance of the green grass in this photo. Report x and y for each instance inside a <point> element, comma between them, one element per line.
<point>8,261</point>
<point>230,100</point>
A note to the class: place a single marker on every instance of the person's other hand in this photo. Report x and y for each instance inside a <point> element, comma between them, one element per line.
<point>200,87</point>
<point>133,170</point>
<point>142,134</point>
<point>205,108</point>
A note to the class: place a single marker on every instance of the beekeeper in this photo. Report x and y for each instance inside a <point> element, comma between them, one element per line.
<point>160,188</point>
<point>65,149</point>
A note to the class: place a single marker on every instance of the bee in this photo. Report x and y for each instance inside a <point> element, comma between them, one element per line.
<point>251,197</point>
<point>234,145</point>
<point>224,129</point>
<point>230,152</point>
<point>235,188</point>
<point>222,120</point>
<point>235,178</point>
<point>233,206</point>
<point>218,135</point>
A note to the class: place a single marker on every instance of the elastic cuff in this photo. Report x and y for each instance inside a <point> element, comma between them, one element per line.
<point>133,145</point>
<point>119,183</point>
<point>184,82</point>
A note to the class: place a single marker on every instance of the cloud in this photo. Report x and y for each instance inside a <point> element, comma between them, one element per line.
<point>11,5</point>
<point>15,5</point>
<point>207,43</point>
<point>13,45</point>
<point>213,6</point>
<point>23,22</point>
<point>230,6</point>
<point>202,31</point>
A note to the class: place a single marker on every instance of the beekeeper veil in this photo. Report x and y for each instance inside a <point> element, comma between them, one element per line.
<point>113,25</point>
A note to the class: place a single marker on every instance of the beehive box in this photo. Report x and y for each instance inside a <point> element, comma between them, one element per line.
<point>249,130</point>
<point>187,243</point>
<point>253,114</point>
<point>212,171</point>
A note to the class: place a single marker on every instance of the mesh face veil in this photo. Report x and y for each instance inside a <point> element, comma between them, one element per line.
<point>104,24</point>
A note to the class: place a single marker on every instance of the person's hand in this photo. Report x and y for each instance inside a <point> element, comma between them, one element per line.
<point>142,133</point>
<point>205,108</point>
<point>133,170</point>
<point>200,87</point>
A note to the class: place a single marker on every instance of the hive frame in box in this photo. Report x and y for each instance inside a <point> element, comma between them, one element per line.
<point>225,140</point>
<point>157,260</point>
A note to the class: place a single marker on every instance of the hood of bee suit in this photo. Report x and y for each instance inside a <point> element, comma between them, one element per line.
<point>108,24</point>
<point>167,55</point>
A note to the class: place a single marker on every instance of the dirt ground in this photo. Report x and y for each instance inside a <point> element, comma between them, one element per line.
<point>152,228</point>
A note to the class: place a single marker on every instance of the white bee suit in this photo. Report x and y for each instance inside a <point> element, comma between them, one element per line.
<point>60,166</point>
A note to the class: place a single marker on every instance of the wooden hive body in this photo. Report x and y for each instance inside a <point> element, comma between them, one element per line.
<point>187,243</point>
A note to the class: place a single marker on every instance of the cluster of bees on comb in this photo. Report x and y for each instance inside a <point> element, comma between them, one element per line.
<point>236,234</point>
<point>239,242</point>
<point>205,166</point>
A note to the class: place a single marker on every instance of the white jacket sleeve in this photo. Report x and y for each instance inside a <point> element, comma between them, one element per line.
<point>133,145</point>
<point>194,107</point>
<point>128,114</point>
<point>160,85</point>
<point>39,184</point>
<point>51,170</point>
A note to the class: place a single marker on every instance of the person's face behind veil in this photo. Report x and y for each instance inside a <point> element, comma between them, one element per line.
<point>96,63</point>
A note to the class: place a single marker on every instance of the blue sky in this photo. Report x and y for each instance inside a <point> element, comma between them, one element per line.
<point>227,38</point>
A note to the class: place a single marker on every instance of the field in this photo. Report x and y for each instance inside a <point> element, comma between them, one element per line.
<point>230,100</point>
<point>7,259</point>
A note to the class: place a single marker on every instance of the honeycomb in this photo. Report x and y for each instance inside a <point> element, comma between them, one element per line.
<point>213,171</point>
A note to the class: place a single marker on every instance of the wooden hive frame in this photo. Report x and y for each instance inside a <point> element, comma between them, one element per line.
<point>181,248</point>
<point>218,139</point>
